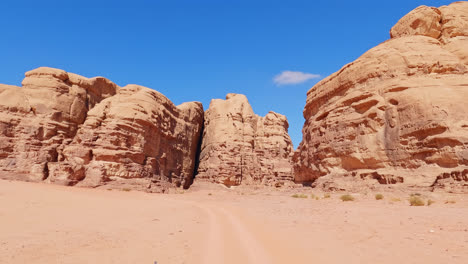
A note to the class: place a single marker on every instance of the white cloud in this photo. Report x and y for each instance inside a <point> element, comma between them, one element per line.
<point>291,77</point>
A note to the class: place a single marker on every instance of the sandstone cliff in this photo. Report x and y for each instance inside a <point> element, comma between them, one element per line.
<point>240,147</point>
<point>398,114</point>
<point>67,129</point>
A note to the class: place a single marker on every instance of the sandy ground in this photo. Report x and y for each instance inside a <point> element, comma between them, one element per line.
<point>42,223</point>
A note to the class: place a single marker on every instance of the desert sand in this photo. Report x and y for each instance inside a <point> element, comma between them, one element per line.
<point>42,223</point>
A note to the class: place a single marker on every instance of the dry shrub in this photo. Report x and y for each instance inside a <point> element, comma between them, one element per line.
<point>416,201</point>
<point>299,195</point>
<point>347,198</point>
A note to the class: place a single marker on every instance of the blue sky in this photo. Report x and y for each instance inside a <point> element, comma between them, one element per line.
<point>198,50</point>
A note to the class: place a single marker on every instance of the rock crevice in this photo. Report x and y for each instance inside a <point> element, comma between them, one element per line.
<point>67,129</point>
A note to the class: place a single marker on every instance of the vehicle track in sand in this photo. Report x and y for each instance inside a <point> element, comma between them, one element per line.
<point>229,241</point>
<point>233,236</point>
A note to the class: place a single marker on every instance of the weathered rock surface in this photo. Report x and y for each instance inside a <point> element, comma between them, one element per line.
<point>38,119</point>
<point>398,113</point>
<point>423,20</point>
<point>67,129</point>
<point>240,147</point>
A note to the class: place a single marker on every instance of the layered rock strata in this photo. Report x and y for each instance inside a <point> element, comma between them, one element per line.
<point>396,115</point>
<point>67,129</point>
<point>240,147</point>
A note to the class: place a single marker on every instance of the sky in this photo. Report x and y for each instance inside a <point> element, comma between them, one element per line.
<point>271,51</point>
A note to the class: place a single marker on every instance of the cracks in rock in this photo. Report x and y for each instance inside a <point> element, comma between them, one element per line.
<point>76,174</point>
<point>239,181</point>
<point>241,169</point>
<point>45,171</point>
<point>197,154</point>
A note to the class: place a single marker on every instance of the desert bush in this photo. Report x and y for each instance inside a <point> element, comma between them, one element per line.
<point>395,199</point>
<point>326,196</point>
<point>429,202</point>
<point>126,189</point>
<point>299,195</point>
<point>416,201</point>
<point>379,196</point>
<point>347,197</point>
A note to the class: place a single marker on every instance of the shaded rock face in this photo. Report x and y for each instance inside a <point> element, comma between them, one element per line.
<point>66,129</point>
<point>240,147</point>
<point>396,115</point>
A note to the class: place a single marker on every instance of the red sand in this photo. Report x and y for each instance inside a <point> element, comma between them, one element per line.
<point>42,223</point>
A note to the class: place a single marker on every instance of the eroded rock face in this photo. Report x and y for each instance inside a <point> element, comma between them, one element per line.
<point>40,118</point>
<point>398,113</point>
<point>240,147</point>
<point>137,137</point>
<point>423,20</point>
<point>66,129</point>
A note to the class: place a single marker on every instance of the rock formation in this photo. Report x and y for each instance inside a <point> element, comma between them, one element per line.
<point>42,116</point>
<point>398,114</point>
<point>67,129</point>
<point>240,147</point>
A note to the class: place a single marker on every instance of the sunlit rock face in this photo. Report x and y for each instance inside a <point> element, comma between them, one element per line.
<point>67,129</point>
<point>396,115</point>
<point>240,147</point>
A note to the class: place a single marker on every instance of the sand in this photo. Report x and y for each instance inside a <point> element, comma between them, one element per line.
<point>42,223</point>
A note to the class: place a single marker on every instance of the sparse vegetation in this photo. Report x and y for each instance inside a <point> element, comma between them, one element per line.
<point>317,198</point>
<point>416,201</point>
<point>109,189</point>
<point>126,189</point>
<point>347,197</point>
<point>379,196</point>
<point>450,201</point>
<point>395,199</point>
<point>299,195</point>
<point>326,196</point>
<point>210,194</point>
<point>312,196</point>
<point>429,202</point>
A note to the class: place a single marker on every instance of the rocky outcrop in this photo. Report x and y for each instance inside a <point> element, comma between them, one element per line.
<point>38,119</point>
<point>396,115</point>
<point>240,147</point>
<point>66,129</point>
